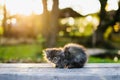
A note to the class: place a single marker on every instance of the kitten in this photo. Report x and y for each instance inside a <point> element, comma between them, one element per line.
<point>70,56</point>
<point>56,56</point>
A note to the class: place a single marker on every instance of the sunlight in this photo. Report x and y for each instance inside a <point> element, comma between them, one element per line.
<point>49,4</point>
<point>0,23</point>
<point>116,27</point>
<point>89,18</point>
<point>2,2</point>
<point>37,7</point>
<point>118,52</point>
<point>81,29</point>
<point>61,33</point>
<point>68,29</point>
<point>115,58</point>
<point>63,21</point>
<point>95,22</point>
<point>13,21</point>
<point>1,17</point>
<point>8,21</point>
<point>71,21</point>
<point>112,5</point>
<point>26,7</point>
<point>84,7</point>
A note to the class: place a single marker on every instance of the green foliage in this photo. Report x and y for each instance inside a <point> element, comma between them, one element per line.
<point>1,30</point>
<point>81,26</point>
<point>107,33</point>
<point>40,39</point>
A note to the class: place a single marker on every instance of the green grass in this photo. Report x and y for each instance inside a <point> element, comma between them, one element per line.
<point>23,53</point>
<point>101,60</point>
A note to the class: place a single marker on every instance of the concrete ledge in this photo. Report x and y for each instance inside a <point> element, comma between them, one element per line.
<point>44,71</point>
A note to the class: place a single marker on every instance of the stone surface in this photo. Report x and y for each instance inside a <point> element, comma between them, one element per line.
<point>44,71</point>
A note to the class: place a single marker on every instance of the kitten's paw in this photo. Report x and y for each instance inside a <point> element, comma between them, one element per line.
<point>56,66</point>
<point>70,66</point>
<point>75,66</point>
<point>59,66</point>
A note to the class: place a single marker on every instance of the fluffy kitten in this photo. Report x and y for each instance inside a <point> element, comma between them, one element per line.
<point>70,56</point>
<point>56,56</point>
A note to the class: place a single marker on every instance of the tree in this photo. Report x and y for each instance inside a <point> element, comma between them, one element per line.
<point>50,23</point>
<point>105,22</point>
<point>6,27</point>
<point>4,20</point>
<point>102,25</point>
<point>54,23</point>
<point>45,22</point>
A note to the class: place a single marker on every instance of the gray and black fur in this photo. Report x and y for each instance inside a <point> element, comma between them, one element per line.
<point>70,56</point>
<point>76,55</point>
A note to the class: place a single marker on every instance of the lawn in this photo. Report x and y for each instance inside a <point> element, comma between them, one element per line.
<point>21,53</point>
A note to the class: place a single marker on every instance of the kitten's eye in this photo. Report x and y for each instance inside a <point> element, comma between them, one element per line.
<point>55,59</point>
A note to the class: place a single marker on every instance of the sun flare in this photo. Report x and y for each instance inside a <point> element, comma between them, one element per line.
<point>24,7</point>
<point>28,7</point>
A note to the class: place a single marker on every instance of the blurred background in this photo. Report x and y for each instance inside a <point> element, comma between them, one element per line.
<point>29,26</point>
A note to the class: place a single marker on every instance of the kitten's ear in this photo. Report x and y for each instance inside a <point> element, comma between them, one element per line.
<point>66,51</point>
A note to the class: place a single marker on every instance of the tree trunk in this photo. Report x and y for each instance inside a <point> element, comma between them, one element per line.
<point>102,25</point>
<point>54,23</point>
<point>50,23</point>
<point>4,21</point>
